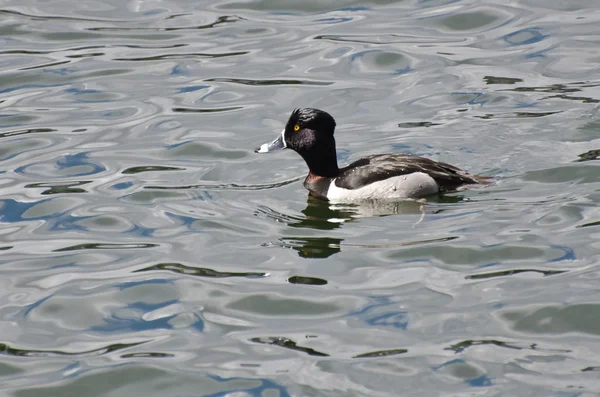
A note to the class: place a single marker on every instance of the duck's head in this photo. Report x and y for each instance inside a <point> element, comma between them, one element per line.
<point>309,132</point>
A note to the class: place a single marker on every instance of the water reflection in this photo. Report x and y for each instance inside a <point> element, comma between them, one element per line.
<point>382,353</point>
<point>288,344</point>
<point>199,271</point>
<point>306,280</point>
<point>513,272</point>
<point>60,187</point>
<point>460,347</point>
<point>324,215</point>
<point>312,247</point>
<point>6,349</point>
<point>562,91</point>
<point>589,155</point>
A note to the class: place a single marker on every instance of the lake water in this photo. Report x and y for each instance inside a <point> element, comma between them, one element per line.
<point>146,250</point>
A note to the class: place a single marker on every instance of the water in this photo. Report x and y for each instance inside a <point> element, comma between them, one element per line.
<point>146,250</point>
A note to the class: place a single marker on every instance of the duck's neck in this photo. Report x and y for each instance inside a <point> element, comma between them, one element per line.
<point>322,160</point>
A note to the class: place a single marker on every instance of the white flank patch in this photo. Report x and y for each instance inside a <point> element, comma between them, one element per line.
<point>411,186</point>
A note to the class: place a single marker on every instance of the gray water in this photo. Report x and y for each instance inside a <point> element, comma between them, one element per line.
<point>147,251</point>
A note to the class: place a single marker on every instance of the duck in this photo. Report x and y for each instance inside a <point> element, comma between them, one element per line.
<point>309,132</point>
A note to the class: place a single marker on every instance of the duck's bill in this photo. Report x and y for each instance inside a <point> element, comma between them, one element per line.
<point>277,144</point>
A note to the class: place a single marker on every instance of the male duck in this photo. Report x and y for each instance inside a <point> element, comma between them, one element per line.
<point>309,132</point>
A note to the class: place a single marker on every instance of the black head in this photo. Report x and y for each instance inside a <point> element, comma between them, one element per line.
<point>308,127</point>
<point>309,132</point>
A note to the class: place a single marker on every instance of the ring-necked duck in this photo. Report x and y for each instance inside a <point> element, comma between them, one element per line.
<point>309,132</point>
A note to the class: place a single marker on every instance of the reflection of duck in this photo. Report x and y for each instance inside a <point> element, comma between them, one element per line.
<point>323,215</point>
<point>309,132</point>
<point>313,247</point>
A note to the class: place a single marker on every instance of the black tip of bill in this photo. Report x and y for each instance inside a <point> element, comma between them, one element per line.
<point>277,144</point>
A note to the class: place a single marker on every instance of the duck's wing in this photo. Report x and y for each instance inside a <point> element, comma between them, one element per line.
<point>382,166</point>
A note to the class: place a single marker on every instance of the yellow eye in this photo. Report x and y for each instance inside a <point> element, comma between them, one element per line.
<point>296,127</point>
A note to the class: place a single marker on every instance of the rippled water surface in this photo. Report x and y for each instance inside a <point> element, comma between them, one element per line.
<point>147,251</point>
